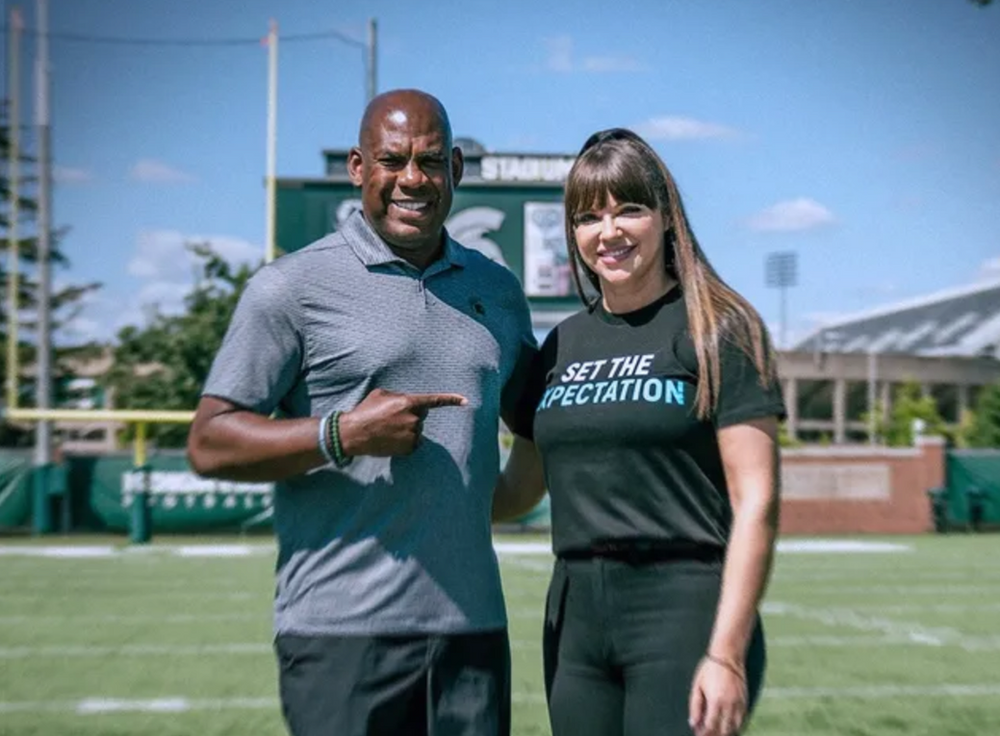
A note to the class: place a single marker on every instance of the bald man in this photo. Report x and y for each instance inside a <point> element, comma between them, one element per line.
<point>366,375</point>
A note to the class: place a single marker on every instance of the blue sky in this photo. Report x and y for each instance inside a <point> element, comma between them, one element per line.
<point>863,134</point>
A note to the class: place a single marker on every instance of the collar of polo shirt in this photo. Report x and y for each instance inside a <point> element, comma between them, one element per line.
<point>371,250</point>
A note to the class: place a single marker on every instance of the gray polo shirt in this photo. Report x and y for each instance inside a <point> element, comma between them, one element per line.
<point>387,545</point>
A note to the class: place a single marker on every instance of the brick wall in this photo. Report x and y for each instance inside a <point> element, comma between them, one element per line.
<point>848,490</point>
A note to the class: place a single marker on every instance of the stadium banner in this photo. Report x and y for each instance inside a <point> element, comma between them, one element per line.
<point>15,488</point>
<point>517,225</point>
<point>103,489</point>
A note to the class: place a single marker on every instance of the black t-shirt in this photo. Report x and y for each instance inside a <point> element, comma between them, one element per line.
<point>624,453</point>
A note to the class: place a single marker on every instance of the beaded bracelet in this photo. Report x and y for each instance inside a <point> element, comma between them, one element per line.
<point>731,666</point>
<point>323,444</point>
<point>333,444</point>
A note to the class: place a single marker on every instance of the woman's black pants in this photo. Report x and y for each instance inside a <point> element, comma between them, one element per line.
<point>622,642</point>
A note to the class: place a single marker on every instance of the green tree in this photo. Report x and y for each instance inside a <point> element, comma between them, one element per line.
<point>909,404</point>
<point>164,364</point>
<point>785,439</point>
<point>881,424</point>
<point>66,303</point>
<point>965,429</point>
<point>985,429</point>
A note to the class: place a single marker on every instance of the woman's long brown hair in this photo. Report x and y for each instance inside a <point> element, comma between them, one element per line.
<point>620,163</point>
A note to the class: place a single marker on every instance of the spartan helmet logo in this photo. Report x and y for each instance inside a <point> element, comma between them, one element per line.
<point>345,209</point>
<point>470,226</point>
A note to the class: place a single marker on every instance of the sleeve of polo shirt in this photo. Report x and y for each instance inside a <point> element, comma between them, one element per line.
<point>261,354</point>
<point>742,394</point>
<point>511,400</point>
<point>533,383</point>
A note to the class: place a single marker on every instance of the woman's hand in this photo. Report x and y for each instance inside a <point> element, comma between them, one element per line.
<point>718,702</point>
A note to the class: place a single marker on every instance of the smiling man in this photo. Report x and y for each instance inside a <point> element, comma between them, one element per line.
<point>366,374</point>
<point>407,169</point>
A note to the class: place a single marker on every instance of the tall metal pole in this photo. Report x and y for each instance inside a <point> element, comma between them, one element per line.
<point>872,397</point>
<point>14,182</point>
<point>784,316</point>
<point>43,430</point>
<point>372,57</point>
<point>272,140</point>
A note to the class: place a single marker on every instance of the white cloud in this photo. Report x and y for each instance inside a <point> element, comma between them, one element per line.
<point>560,54</point>
<point>157,172</point>
<point>164,254</point>
<point>560,58</point>
<point>792,335</point>
<point>792,216</point>
<point>81,329</point>
<point>70,175</point>
<point>877,291</point>
<point>166,296</point>
<point>164,270</point>
<point>989,270</point>
<point>677,128</point>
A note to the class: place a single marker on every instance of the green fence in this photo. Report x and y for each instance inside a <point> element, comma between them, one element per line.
<point>15,488</point>
<point>972,474</point>
<point>96,493</point>
<point>101,490</point>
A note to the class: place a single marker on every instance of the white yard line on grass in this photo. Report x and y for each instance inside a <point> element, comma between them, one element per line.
<point>982,644</point>
<point>114,618</point>
<point>94,706</point>
<point>90,706</point>
<point>54,595</point>
<point>811,546</point>
<point>110,552</point>
<point>972,644</point>
<point>929,608</point>
<point>846,546</point>
<point>523,548</point>
<point>134,650</point>
<point>527,563</point>
<point>913,631</point>
<point>882,692</point>
<point>64,551</point>
<point>796,576</point>
<point>845,617</point>
<point>940,591</point>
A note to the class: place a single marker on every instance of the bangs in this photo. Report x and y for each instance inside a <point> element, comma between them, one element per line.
<point>615,169</point>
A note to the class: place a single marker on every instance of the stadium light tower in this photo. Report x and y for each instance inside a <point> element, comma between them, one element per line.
<point>782,272</point>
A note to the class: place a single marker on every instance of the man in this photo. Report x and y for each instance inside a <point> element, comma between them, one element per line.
<point>387,351</point>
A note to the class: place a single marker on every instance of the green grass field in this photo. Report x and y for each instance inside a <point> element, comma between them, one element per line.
<point>152,643</point>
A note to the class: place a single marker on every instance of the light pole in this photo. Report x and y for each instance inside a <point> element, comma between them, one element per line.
<point>272,139</point>
<point>372,59</point>
<point>270,176</point>
<point>782,273</point>
<point>43,390</point>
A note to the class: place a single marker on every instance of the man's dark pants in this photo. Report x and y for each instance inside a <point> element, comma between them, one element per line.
<point>447,685</point>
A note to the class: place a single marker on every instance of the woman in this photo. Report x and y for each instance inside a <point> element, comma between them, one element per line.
<point>656,412</point>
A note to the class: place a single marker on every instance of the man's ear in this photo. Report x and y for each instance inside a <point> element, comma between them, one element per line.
<point>355,166</point>
<point>457,165</point>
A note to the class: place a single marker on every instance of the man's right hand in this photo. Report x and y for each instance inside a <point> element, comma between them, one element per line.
<point>386,423</point>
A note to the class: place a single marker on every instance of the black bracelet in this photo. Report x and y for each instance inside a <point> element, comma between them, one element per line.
<point>740,672</point>
<point>340,459</point>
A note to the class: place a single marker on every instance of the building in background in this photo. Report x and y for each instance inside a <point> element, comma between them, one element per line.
<point>948,342</point>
